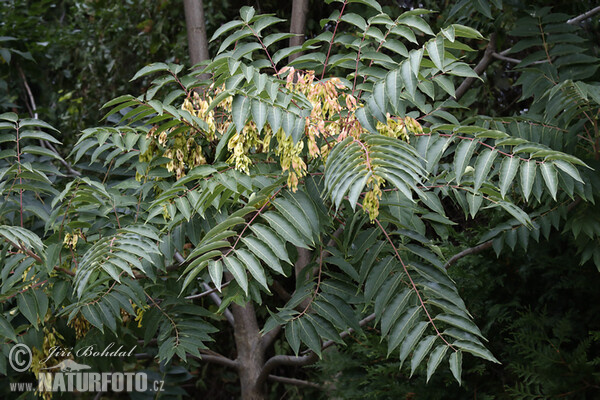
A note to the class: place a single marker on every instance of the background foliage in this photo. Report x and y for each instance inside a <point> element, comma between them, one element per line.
<point>534,304</point>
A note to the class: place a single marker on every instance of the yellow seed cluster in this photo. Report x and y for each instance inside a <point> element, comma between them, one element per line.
<point>80,325</point>
<point>139,313</point>
<point>51,339</point>
<point>183,150</point>
<point>240,144</point>
<point>71,239</point>
<point>371,200</point>
<point>331,120</point>
<point>289,157</point>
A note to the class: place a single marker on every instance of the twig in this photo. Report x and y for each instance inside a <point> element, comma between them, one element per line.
<point>583,16</point>
<point>486,245</point>
<point>205,293</point>
<point>295,382</point>
<point>466,252</point>
<point>479,68</point>
<point>208,292</point>
<point>499,56</point>
<point>309,358</point>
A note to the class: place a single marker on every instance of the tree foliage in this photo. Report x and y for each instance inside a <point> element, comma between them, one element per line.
<point>330,181</point>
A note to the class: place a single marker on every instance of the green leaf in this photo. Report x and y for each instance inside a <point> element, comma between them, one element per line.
<point>240,111</point>
<point>247,13</point>
<point>91,315</point>
<point>508,171</point>
<point>284,229</point>
<point>456,365</point>
<point>411,340</point>
<point>410,81</point>
<point>527,177</point>
<point>355,20</point>
<point>366,120</point>
<point>550,178</point>
<point>292,335</point>
<point>28,307</point>
<point>263,252</point>
<point>253,265</point>
<point>483,165</point>
<point>295,216</point>
<point>225,28</point>
<point>215,270</point>
<point>460,322</point>
<point>569,169</point>
<point>464,152</point>
<point>475,349</point>
<point>309,335</point>
<point>421,351</point>
<point>269,237</point>
<point>6,329</point>
<point>371,3</point>
<point>259,114</point>
<point>415,22</point>
<point>435,50</point>
<point>237,270</point>
<point>395,309</point>
<point>435,359</point>
<point>402,327</point>
<point>148,69</point>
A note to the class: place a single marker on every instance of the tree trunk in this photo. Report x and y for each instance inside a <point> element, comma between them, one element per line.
<point>250,355</point>
<point>298,24</point>
<point>196,30</point>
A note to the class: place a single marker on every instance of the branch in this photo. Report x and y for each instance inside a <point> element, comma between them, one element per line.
<point>296,382</point>
<point>209,292</point>
<point>479,68</point>
<point>212,358</point>
<point>309,358</point>
<point>502,57</point>
<point>217,300</point>
<point>466,252</point>
<point>216,359</point>
<point>486,245</point>
<point>583,16</point>
<point>269,337</point>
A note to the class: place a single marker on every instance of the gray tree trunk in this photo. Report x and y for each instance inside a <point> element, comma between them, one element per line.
<point>196,30</point>
<point>298,24</point>
<point>250,354</point>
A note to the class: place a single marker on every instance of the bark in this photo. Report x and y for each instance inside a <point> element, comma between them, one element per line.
<point>250,355</point>
<point>298,24</point>
<point>196,30</point>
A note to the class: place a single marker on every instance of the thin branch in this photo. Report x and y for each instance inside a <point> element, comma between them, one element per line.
<point>295,382</point>
<point>309,358</point>
<point>333,37</point>
<point>583,16</point>
<point>486,245</point>
<point>217,300</point>
<point>206,293</point>
<point>350,331</point>
<point>269,337</point>
<point>501,57</point>
<point>466,252</point>
<point>479,68</point>
<point>212,358</point>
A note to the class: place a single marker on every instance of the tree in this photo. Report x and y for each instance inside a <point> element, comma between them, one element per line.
<point>328,181</point>
<point>196,31</point>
